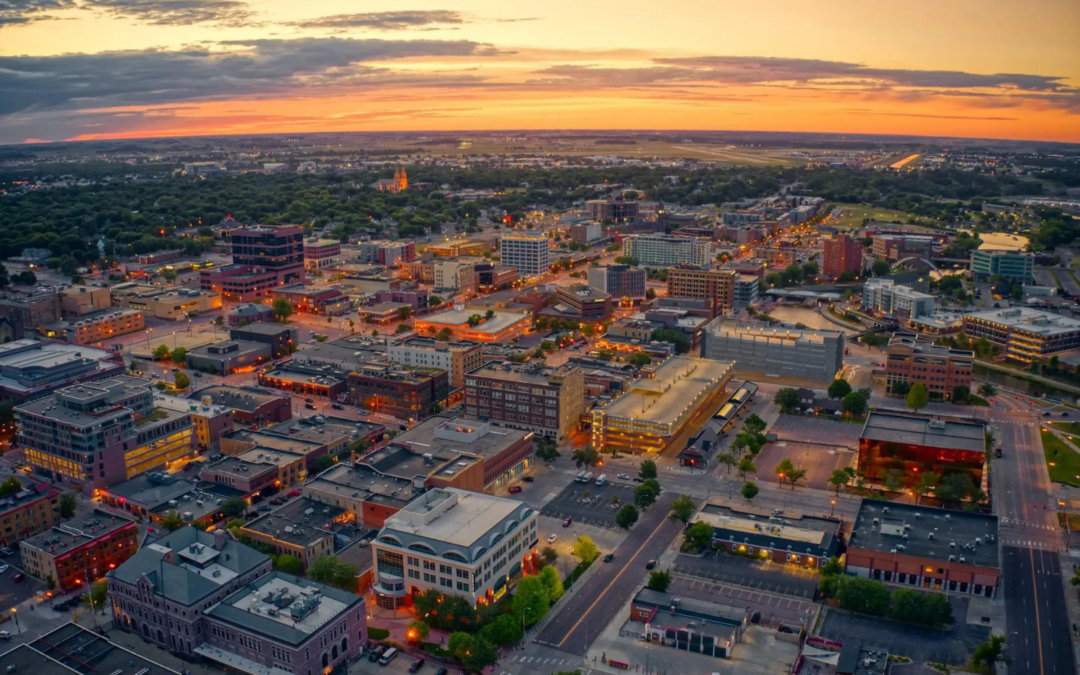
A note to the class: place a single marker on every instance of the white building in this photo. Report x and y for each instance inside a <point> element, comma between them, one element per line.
<point>454,541</point>
<point>527,250</point>
<point>663,250</point>
<point>886,298</point>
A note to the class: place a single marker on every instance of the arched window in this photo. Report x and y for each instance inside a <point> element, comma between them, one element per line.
<point>422,548</point>
<point>387,539</point>
<point>325,660</point>
<point>454,555</point>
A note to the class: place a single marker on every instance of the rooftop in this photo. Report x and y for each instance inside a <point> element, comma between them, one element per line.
<point>926,532</point>
<point>72,534</point>
<point>801,536</point>
<point>364,481</point>
<point>737,329</point>
<point>74,650</point>
<point>933,433</point>
<point>27,365</point>
<point>152,489</point>
<point>451,516</point>
<point>459,435</point>
<point>674,387</point>
<point>924,346</point>
<point>1028,320</point>
<point>459,318</point>
<point>301,522</point>
<point>264,328</point>
<point>529,372</point>
<point>246,399</point>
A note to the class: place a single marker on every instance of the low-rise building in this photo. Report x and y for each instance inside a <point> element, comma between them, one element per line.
<point>806,541</point>
<point>241,315</point>
<point>464,324</point>
<point>405,392</point>
<point>776,352</point>
<point>455,247</point>
<point>925,548</point>
<point>74,554</point>
<point>31,369</point>
<point>452,541</point>
<point>689,624</point>
<point>321,300</point>
<point>324,381</point>
<point>619,281</point>
<point>885,297</point>
<point>660,405</point>
<point>775,258</point>
<point>579,303</point>
<point>172,304</point>
<point>941,370</point>
<point>320,254</point>
<point>530,396</point>
<point>1013,265</point>
<point>32,509</point>
<point>303,528</point>
<point>211,421</point>
<point>228,357</point>
<point>456,358</point>
<point>94,327</point>
<point>917,444</point>
<point>282,340</point>
<point>371,497</point>
<point>250,406</point>
<point>155,495</point>
<point>82,300</point>
<point>1025,334</point>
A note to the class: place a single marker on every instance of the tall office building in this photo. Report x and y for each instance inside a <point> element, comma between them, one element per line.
<point>263,259</point>
<point>701,282</point>
<point>842,254</point>
<point>618,281</point>
<point>548,401</point>
<point>526,250</point>
<point>663,250</point>
<point>1015,265</point>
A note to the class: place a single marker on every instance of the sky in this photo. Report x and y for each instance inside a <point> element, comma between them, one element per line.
<point>95,69</point>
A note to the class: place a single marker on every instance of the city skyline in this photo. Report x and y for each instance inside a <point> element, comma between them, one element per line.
<point>93,69</point>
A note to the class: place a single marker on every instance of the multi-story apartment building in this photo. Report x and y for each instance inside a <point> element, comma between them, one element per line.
<point>456,275</point>
<point>526,250</point>
<point>842,254</point>
<point>717,285</point>
<point>321,253</point>
<point>80,300</point>
<point>900,246</point>
<point>548,401</point>
<point>455,542</point>
<point>775,257</point>
<point>1013,265</point>
<point>663,250</point>
<point>456,358</point>
<point>99,434</point>
<point>77,553</point>
<point>263,259</point>
<point>1026,334</point>
<point>211,421</point>
<point>201,594</point>
<point>619,281</point>
<point>32,509</point>
<point>807,354</point>
<point>27,311</point>
<point>95,327</point>
<point>388,253</point>
<point>402,391</point>
<point>30,369</point>
<point>745,290</point>
<point>614,210</point>
<point>887,298</point>
<point>940,369</point>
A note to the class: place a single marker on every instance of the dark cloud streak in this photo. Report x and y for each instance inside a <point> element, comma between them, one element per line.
<point>400,20</point>
<point>176,12</point>
<point>20,12</point>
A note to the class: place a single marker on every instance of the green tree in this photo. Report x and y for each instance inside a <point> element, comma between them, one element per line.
<point>67,505</point>
<point>644,496</point>
<point>288,563</point>
<point>917,397</point>
<point>473,652</point>
<point>863,595</point>
<point>160,352</point>
<point>987,390</point>
<point>854,404</point>
<point>749,490</point>
<point>99,593</point>
<point>990,653</point>
<point>924,609</point>
<point>585,550</point>
<point>754,424</point>
<point>893,479</point>
<point>639,359</point>
<point>682,509</point>
<point>504,630</point>
<point>677,338</point>
<point>552,582</point>
<point>838,479</point>
<point>178,356</point>
<point>955,487</point>
<point>585,456</point>
<point>417,631</point>
<point>926,484</point>
<point>327,569</point>
<point>549,554</point>
<point>168,275</point>
<point>181,380</point>
<point>531,599</point>
<point>434,301</point>
<point>404,313</point>
<point>647,470</point>
<point>172,521</point>
<point>745,466</point>
<point>320,464</point>
<point>547,450</point>
<point>659,581</point>
<point>788,399</point>
<point>832,567</point>
<point>699,535</point>
<point>727,459</point>
<point>444,335</point>
<point>880,268</point>
<point>961,394</point>
<point>10,486</point>
<point>50,583</point>
<point>839,388</point>
<point>234,507</point>
<point>626,517</point>
<point>282,309</point>
<point>788,473</point>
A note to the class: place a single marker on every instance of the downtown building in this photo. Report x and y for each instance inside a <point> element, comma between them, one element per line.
<point>1013,265</point>
<point>401,391</point>
<point>663,250</point>
<point>885,297</point>
<point>715,285</point>
<point>98,434</point>
<point>526,250</point>
<point>619,281</point>
<point>387,253</point>
<point>263,259</point>
<point>842,254</point>
<point>456,358</point>
<point>75,554</point>
<point>614,210</point>
<point>454,542</point>
<point>530,396</point>
<point>1025,334</point>
<point>912,360</point>
<point>320,254</point>
<point>776,352</point>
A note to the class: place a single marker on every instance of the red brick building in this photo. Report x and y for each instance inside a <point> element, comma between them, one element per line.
<point>76,554</point>
<point>251,407</point>
<point>939,369</point>
<point>404,392</point>
<point>842,254</point>
<point>805,542</point>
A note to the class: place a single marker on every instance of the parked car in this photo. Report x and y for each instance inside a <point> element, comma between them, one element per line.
<point>18,577</point>
<point>416,665</point>
<point>567,521</point>
<point>376,653</point>
<point>515,489</point>
<point>4,568</point>
<point>528,479</point>
<point>5,551</point>
<point>5,635</point>
<point>337,406</point>
<point>189,466</point>
<point>309,400</point>
<point>651,564</point>
<point>311,406</point>
<point>294,493</point>
<point>551,538</point>
<point>198,374</point>
<point>609,557</point>
<point>639,479</point>
<point>623,476</point>
<point>777,512</point>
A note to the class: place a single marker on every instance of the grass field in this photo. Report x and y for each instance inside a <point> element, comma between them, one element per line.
<point>852,215</point>
<point>1062,461</point>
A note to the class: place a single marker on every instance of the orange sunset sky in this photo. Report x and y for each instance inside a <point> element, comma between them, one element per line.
<point>90,69</point>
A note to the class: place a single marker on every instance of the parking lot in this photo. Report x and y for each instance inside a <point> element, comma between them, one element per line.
<point>775,609</point>
<point>768,576</point>
<point>13,593</point>
<point>920,644</point>
<point>587,504</point>
<point>819,461</point>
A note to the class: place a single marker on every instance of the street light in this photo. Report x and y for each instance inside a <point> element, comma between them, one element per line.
<point>15,613</point>
<point>523,621</point>
<point>832,509</point>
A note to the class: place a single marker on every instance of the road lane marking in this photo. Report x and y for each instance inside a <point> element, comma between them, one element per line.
<point>1038,621</point>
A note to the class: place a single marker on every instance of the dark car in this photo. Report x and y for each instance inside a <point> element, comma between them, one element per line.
<point>441,671</point>
<point>609,557</point>
<point>311,406</point>
<point>416,665</point>
<point>376,653</point>
<point>639,479</point>
<point>18,577</point>
<point>309,400</point>
<point>515,489</point>
<point>337,406</point>
<point>198,374</point>
<point>528,479</point>
<point>651,564</point>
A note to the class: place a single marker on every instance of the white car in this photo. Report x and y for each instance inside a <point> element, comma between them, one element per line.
<point>5,635</point>
<point>4,568</point>
<point>552,538</point>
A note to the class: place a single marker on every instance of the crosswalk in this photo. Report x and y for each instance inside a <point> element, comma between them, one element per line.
<point>1026,543</point>
<point>554,663</point>
<point>1034,526</point>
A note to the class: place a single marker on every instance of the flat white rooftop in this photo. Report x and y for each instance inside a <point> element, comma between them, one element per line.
<point>324,608</point>
<point>460,524</point>
<point>673,391</point>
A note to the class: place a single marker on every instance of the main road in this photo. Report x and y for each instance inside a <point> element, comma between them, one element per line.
<point>582,619</point>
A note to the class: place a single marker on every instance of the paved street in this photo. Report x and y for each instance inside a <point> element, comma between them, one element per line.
<point>580,621</point>
<point>1039,632</point>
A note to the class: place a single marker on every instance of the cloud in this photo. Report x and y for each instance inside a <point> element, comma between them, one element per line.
<point>175,12</point>
<point>759,70</point>
<point>235,69</point>
<point>401,20</point>
<point>16,12</point>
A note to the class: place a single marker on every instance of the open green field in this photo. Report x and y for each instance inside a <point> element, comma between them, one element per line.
<point>1062,461</point>
<point>852,215</point>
